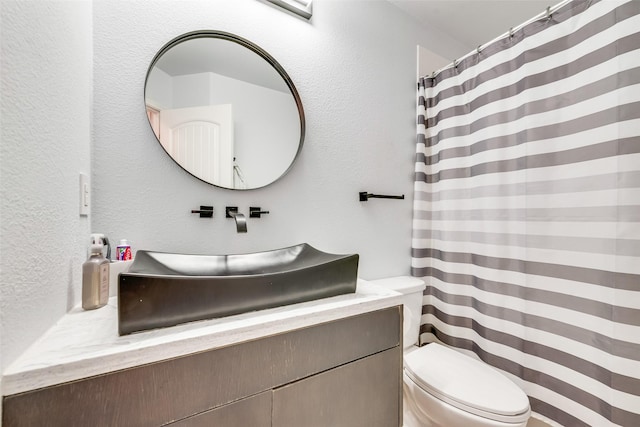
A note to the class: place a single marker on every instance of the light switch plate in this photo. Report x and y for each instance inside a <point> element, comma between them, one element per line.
<point>85,195</point>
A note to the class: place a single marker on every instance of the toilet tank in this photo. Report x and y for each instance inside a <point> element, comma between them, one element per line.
<point>412,289</point>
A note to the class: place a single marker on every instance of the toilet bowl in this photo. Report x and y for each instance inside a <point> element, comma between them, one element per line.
<point>446,388</point>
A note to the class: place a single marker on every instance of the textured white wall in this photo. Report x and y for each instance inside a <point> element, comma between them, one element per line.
<point>429,62</point>
<point>45,78</point>
<point>354,65</point>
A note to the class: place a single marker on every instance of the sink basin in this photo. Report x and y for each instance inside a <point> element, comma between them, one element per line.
<point>165,289</point>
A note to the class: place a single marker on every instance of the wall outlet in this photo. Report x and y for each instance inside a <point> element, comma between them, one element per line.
<point>85,195</point>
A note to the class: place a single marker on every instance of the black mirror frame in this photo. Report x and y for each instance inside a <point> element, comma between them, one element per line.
<point>264,55</point>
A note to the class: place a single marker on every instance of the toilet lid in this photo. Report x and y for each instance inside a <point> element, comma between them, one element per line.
<point>466,383</point>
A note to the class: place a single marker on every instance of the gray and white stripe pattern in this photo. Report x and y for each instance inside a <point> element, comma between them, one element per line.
<point>527,211</point>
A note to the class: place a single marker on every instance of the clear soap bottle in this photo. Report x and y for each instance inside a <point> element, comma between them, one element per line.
<point>95,276</point>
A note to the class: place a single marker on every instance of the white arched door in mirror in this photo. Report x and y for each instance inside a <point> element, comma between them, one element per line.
<point>200,139</point>
<point>224,110</point>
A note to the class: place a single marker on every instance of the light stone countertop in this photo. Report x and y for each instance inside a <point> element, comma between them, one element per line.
<point>86,343</point>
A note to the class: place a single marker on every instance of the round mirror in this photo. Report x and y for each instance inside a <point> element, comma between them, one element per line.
<point>224,110</point>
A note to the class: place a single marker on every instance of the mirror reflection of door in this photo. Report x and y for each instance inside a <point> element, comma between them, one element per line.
<point>200,139</point>
<point>153,114</point>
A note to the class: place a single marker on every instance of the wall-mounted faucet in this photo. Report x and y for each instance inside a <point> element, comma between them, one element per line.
<point>241,221</point>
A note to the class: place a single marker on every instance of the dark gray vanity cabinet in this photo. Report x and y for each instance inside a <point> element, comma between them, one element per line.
<point>345,372</point>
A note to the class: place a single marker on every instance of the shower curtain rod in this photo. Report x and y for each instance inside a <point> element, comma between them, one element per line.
<point>546,14</point>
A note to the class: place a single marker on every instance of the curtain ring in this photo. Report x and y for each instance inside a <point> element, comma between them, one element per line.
<point>511,32</point>
<point>455,64</point>
<point>548,13</point>
<point>478,49</point>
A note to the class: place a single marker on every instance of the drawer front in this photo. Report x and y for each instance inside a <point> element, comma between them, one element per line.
<point>254,411</point>
<point>364,393</point>
<point>168,391</point>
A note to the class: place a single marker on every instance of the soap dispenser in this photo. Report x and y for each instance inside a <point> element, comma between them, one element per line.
<point>95,276</point>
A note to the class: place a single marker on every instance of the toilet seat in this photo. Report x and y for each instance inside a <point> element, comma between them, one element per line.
<point>466,383</point>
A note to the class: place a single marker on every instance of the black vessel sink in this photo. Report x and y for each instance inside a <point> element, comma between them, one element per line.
<point>165,289</point>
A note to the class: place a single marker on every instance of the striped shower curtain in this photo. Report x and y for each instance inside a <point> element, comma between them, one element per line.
<point>527,211</point>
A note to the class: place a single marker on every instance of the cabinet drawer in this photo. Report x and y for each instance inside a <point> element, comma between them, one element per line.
<point>254,411</point>
<point>364,393</point>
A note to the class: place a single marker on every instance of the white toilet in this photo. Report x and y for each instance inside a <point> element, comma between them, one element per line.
<point>445,388</point>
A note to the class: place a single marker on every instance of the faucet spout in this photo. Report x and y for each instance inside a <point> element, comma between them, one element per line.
<point>241,220</point>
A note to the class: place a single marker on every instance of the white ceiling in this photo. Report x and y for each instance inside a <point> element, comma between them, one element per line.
<point>473,22</point>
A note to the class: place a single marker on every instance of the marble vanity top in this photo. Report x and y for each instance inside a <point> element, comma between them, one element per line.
<point>86,343</point>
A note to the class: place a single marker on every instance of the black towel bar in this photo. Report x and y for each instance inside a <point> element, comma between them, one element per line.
<point>364,196</point>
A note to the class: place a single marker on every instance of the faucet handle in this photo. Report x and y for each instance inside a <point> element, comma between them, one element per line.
<point>204,211</point>
<point>256,212</point>
<point>229,210</point>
